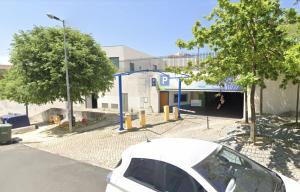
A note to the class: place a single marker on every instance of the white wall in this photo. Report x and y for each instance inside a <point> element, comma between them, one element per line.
<point>13,107</point>
<point>125,53</point>
<point>138,85</point>
<point>140,93</point>
<point>275,99</point>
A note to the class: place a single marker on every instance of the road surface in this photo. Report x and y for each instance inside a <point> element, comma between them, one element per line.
<point>24,169</point>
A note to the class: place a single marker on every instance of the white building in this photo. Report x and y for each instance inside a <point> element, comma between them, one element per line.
<point>145,90</point>
<point>149,91</point>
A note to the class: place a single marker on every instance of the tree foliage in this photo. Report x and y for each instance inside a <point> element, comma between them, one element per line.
<point>248,42</point>
<point>291,68</point>
<point>38,72</point>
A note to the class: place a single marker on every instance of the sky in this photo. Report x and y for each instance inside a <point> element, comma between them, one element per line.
<point>151,26</point>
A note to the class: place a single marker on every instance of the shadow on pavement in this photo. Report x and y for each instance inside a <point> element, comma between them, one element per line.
<point>277,139</point>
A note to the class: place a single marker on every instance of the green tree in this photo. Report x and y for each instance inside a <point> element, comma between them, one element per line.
<point>291,68</point>
<point>248,42</point>
<point>38,72</point>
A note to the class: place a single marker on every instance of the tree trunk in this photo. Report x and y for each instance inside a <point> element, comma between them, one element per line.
<point>26,108</point>
<point>72,114</point>
<point>297,105</point>
<point>261,101</point>
<point>246,107</point>
<point>253,117</point>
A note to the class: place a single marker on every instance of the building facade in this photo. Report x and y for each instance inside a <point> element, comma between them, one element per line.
<point>146,86</point>
<point>150,91</point>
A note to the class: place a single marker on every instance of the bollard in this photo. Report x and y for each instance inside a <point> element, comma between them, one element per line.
<point>128,122</point>
<point>207,123</point>
<point>56,119</point>
<point>175,112</point>
<point>142,117</point>
<point>166,113</point>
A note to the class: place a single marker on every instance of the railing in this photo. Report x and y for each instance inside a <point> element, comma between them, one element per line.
<point>160,63</point>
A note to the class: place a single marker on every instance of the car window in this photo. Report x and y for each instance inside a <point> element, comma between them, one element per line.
<point>142,171</point>
<point>230,157</point>
<point>179,181</point>
<point>161,176</point>
<point>227,170</point>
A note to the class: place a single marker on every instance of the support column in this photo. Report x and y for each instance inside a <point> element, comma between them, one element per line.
<point>120,103</point>
<point>179,97</point>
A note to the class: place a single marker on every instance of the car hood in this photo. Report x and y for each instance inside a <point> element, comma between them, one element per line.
<point>290,184</point>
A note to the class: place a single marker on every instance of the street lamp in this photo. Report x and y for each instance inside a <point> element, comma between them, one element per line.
<point>70,118</point>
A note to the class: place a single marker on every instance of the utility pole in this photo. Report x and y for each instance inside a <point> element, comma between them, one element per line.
<point>69,104</point>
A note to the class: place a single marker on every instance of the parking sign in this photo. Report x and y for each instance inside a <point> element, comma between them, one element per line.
<point>164,80</point>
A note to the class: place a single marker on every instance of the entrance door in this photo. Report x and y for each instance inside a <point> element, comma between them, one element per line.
<point>94,101</point>
<point>164,100</point>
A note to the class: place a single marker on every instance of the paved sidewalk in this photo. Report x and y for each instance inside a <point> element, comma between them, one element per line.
<point>103,147</point>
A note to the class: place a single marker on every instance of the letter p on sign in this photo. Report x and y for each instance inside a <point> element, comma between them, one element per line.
<point>164,80</point>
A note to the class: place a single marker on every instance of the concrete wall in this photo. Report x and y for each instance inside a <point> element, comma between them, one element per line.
<point>13,107</point>
<point>137,86</point>
<point>140,93</point>
<point>275,99</point>
<point>124,53</point>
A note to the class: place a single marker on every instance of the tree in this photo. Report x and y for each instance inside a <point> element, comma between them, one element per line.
<point>291,68</point>
<point>248,42</point>
<point>292,71</point>
<point>38,72</point>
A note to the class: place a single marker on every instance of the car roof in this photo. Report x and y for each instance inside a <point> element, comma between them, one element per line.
<point>176,151</point>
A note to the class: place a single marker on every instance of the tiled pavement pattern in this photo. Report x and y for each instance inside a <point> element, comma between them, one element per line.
<point>104,146</point>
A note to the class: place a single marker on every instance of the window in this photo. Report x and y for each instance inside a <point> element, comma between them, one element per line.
<point>131,67</point>
<point>225,168</point>
<point>155,67</point>
<point>183,97</point>
<point>161,176</point>
<point>115,61</point>
<point>114,106</point>
<point>105,105</point>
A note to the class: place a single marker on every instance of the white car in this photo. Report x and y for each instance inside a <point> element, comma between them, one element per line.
<point>189,165</point>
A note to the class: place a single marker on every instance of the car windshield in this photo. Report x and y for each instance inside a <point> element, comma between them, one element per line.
<point>229,171</point>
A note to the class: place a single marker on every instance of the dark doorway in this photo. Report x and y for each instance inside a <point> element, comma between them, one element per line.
<point>94,101</point>
<point>232,105</point>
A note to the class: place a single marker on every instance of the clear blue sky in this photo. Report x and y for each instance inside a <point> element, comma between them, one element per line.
<point>151,26</point>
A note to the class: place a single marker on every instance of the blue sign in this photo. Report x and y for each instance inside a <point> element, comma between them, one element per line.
<point>153,82</point>
<point>164,80</point>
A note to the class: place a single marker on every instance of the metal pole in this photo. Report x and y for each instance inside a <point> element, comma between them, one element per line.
<point>297,106</point>
<point>207,123</point>
<point>70,119</point>
<point>120,103</point>
<point>179,97</point>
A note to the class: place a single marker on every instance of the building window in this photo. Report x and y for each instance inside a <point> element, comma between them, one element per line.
<point>105,105</point>
<point>131,67</point>
<point>155,67</point>
<point>115,61</point>
<point>183,97</point>
<point>114,106</point>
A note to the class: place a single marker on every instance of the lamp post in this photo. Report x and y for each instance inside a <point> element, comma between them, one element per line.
<point>70,118</point>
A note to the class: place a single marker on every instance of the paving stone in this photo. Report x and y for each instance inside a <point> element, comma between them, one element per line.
<point>104,146</point>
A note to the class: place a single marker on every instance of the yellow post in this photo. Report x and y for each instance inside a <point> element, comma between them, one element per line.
<point>166,113</point>
<point>128,122</point>
<point>142,117</point>
<point>175,112</point>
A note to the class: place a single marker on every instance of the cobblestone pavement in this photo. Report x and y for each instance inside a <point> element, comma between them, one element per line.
<point>278,148</point>
<point>103,147</point>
